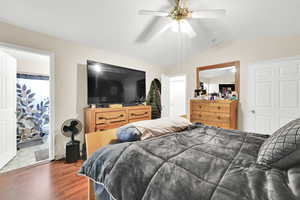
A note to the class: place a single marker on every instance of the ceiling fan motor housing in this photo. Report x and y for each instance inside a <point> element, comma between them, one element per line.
<point>180,13</point>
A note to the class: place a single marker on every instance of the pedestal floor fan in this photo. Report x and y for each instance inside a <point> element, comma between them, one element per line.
<point>71,128</point>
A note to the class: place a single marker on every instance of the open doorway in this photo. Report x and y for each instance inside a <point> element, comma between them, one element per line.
<point>174,96</point>
<point>177,96</point>
<point>25,98</point>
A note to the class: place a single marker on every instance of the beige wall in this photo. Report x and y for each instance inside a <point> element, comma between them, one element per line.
<point>248,52</point>
<point>30,63</point>
<point>70,76</point>
<point>33,67</point>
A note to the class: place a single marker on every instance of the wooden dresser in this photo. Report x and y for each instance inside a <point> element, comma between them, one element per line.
<point>220,113</point>
<point>98,119</point>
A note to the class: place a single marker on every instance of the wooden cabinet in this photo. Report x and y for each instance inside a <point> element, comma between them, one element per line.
<point>221,113</point>
<point>98,119</point>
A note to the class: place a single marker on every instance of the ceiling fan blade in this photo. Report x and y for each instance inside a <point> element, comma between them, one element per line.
<point>188,29</point>
<point>161,31</point>
<point>208,14</point>
<point>154,13</point>
<point>154,29</point>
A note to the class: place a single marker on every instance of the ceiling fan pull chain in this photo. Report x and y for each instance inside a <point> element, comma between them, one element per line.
<point>179,32</point>
<point>181,47</point>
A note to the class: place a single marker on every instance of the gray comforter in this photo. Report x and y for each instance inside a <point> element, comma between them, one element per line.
<point>203,163</point>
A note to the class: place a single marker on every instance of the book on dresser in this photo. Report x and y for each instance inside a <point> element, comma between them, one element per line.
<point>99,119</point>
<point>219,113</point>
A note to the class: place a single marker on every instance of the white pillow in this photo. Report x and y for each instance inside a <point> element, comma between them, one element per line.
<point>162,126</point>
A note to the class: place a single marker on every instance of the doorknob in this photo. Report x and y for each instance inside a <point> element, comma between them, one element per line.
<point>253,111</point>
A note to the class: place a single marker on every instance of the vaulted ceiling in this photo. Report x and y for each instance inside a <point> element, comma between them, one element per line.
<point>115,25</point>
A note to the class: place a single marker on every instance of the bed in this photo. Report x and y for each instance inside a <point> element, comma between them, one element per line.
<point>199,163</point>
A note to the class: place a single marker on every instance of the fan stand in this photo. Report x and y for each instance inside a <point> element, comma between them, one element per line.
<point>72,150</point>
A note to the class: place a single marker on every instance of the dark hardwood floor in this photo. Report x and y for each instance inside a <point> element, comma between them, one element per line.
<point>52,181</point>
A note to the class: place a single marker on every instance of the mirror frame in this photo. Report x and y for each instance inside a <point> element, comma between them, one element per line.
<point>222,65</point>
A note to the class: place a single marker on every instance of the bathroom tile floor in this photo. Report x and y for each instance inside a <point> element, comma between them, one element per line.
<point>25,157</point>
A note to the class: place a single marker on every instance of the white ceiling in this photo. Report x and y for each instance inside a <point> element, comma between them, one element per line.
<point>114,25</point>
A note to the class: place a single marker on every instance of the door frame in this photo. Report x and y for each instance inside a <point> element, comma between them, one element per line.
<point>51,92</point>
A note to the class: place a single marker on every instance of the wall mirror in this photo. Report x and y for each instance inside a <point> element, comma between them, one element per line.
<point>222,79</point>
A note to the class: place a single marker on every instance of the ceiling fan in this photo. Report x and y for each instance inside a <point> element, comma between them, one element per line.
<point>179,16</point>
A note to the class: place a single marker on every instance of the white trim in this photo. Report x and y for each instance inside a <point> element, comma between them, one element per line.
<point>52,89</point>
<point>275,60</point>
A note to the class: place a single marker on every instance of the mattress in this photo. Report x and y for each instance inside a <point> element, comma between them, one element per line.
<point>202,163</point>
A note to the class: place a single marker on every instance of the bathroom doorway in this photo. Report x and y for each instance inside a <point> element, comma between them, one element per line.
<point>26,136</point>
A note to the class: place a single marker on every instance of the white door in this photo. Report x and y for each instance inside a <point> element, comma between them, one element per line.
<point>177,96</point>
<point>8,147</point>
<point>274,94</point>
<point>165,92</point>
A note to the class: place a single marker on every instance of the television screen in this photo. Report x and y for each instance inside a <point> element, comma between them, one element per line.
<point>109,84</point>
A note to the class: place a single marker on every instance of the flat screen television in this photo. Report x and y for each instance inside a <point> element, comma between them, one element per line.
<point>109,84</point>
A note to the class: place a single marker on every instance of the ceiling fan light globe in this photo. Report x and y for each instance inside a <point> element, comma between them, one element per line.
<point>183,26</point>
<point>175,26</point>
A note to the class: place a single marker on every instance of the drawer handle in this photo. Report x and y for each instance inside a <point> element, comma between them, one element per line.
<point>107,118</point>
<point>133,114</point>
<point>219,117</point>
<point>219,107</point>
<point>200,106</point>
<point>200,115</point>
<point>116,121</point>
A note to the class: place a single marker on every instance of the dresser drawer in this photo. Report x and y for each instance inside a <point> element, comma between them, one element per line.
<point>210,107</point>
<point>112,125</point>
<point>219,108</point>
<point>103,118</point>
<point>198,107</point>
<point>138,114</point>
<point>211,116</point>
<point>138,119</point>
<point>219,113</point>
<point>97,119</point>
<point>217,124</point>
<point>211,123</point>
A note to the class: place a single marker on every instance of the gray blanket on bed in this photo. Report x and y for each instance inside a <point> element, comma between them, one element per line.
<point>204,163</point>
